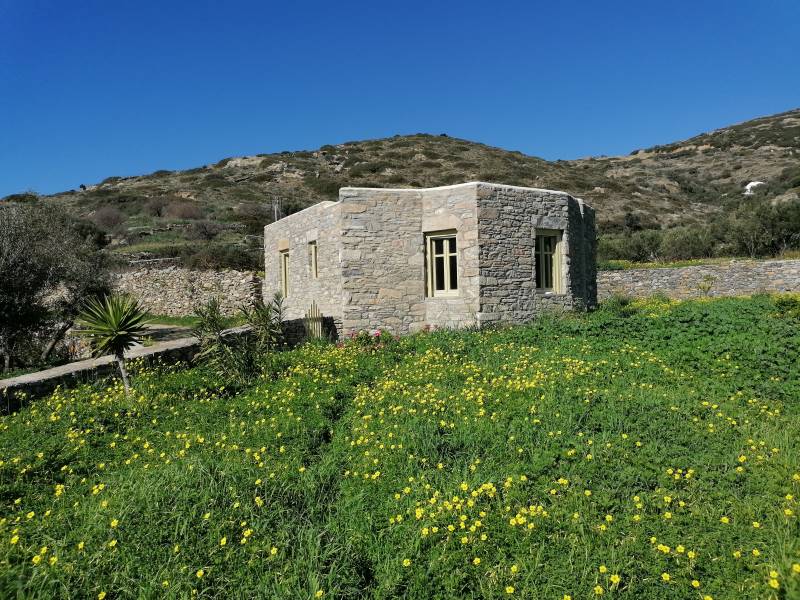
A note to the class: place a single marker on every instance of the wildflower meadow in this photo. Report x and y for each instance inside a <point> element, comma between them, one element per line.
<point>648,449</point>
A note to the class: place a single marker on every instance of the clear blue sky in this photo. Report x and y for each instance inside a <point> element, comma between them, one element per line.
<point>95,88</point>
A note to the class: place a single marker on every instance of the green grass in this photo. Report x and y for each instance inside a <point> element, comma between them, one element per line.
<point>190,320</point>
<point>582,447</point>
<point>618,265</point>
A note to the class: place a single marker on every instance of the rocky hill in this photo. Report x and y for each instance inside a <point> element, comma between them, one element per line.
<point>225,205</point>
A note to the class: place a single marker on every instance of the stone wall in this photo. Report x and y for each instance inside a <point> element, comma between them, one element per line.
<point>383,257</point>
<point>15,392</point>
<point>319,224</point>
<point>736,278</point>
<point>382,260</point>
<point>175,291</point>
<point>509,217</point>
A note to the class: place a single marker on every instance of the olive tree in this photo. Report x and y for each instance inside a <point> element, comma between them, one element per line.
<point>49,262</point>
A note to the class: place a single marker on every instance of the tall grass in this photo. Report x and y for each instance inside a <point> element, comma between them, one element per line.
<point>649,450</point>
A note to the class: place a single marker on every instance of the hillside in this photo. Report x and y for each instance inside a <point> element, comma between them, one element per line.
<point>226,204</point>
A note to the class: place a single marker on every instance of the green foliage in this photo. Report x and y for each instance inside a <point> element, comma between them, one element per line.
<point>112,324</point>
<point>324,186</point>
<point>266,320</point>
<point>49,262</point>
<point>224,355</point>
<point>369,168</point>
<point>682,243</point>
<point>645,443</point>
<point>220,256</point>
<point>239,358</point>
<point>757,228</point>
<point>22,198</point>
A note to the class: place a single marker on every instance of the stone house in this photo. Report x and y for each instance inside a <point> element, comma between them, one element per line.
<point>459,255</point>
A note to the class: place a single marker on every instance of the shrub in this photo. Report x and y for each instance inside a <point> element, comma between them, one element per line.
<point>184,210</point>
<point>48,266</point>
<point>227,356</point>
<point>369,168</point>
<point>108,218</point>
<point>219,256</point>
<point>239,358</point>
<point>637,246</point>
<point>23,197</point>
<point>324,186</point>
<point>156,207</point>
<point>203,230</point>
<point>681,243</point>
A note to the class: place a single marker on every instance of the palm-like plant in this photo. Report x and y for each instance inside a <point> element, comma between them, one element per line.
<point>112,325</point>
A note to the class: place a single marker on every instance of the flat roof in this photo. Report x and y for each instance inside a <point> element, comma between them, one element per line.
<point>459,185</point>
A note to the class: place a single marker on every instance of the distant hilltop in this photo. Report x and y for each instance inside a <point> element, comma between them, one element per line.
<point>684,182</point>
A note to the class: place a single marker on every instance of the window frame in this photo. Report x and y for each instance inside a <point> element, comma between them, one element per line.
<point>284,272</point>
<point>556,260</point>
<point>313,259</point>
<point>447,254</point>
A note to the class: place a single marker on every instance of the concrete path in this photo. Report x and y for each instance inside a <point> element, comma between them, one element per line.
<point>15,390</point>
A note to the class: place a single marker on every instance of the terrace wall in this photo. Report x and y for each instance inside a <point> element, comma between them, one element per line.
<point>736,278</point>
<point>175,291</point>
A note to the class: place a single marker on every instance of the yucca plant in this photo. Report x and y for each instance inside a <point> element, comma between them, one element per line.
<point>112,325</point>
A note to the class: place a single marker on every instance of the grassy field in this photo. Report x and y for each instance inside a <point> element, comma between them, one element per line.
<point>648,450</point>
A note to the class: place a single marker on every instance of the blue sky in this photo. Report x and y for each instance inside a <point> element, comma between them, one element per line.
<point>90,89</point>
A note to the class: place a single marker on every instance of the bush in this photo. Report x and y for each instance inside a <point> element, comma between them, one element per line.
<point>48,266</point>
<point>219,256</point>
<point>682,243</point>
<point>638,246</point>
<point>156,207</point>
<point>23,197</point>
<point>184,210</point>
<point>369,168</point>
<point>239,358</point>
<point>324,186</point>
<point>108,218</point>
<point>203,230</point>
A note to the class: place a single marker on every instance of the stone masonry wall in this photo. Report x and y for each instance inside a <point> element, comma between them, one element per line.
<point>321,224</point>
<point>382,260</point>
<point>383,237</point>
<point>508,219</point>
<point>736,278</point>
<point>175,291</point>
<point>454,208</point>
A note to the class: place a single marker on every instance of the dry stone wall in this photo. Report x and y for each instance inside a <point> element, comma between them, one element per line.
<point>175,291</point>
<point>736,278</point>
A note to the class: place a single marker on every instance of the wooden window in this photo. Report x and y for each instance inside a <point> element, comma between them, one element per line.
<point>441,264</point>
<point>313,269</point>
<point>548,261</point>
<point>285,273</point>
